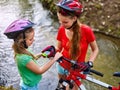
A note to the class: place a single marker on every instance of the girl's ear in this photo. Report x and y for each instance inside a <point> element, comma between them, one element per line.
<point>75,18</point>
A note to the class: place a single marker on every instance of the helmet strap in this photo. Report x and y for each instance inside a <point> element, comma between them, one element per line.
<point>24,42</point>
<point>72,25</point>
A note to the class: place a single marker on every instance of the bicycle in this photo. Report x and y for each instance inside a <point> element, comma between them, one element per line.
<point>75,75</point>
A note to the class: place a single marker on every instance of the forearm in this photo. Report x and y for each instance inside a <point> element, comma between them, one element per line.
<point>46,66</point>
<point>94,51</point>
<point>93,55</point>
<point>58,46</point>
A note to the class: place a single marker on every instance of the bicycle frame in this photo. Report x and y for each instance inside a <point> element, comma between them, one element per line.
<point>75,76</point>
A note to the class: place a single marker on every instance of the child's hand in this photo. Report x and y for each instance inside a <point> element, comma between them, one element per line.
<point>57,56</point>
<point>38,56</point>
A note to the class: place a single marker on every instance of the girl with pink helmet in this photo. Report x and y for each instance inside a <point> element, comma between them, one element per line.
<point>22,33</point>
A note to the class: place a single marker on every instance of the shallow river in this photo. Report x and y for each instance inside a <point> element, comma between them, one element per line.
<point>107,62</point>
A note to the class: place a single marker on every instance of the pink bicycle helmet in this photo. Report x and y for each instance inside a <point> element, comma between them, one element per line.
<point>17,27</point>
<point>71,5</point>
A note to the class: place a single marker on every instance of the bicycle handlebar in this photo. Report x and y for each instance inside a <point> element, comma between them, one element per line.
<point>96,72</point>
<point>73,62</point>
<point>117,74</point>
<point>86,77</point>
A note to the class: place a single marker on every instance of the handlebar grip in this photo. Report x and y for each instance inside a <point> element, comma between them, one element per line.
<point>117,74</point>
<point>96,72</point>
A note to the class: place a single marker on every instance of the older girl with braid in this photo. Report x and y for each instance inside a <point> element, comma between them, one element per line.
<point>73,37</point>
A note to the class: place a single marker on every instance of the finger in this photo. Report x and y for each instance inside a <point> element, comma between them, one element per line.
<point>62,50</point>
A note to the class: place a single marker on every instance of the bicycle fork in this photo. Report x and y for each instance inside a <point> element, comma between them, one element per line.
<point>62,85</point>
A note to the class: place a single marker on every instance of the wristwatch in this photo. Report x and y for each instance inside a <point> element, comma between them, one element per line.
<point>90,63</point>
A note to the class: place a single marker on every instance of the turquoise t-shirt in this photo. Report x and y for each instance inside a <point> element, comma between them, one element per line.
<point>29,78</point>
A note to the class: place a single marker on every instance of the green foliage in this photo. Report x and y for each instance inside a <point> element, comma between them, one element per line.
<point>7,88</point>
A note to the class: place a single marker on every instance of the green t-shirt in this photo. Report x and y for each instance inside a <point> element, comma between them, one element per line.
<point>29,78</point>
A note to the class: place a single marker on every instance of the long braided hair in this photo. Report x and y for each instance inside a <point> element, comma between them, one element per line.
<point>74,43</point>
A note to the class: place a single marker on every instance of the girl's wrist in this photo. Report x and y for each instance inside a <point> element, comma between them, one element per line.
<point>52,59</point>
<point>91,60</point>
<point>90,63</point>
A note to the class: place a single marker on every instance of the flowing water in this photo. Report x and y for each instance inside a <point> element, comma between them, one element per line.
<point>107,62</point>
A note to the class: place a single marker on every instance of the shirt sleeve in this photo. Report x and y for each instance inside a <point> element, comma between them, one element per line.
<point>25,59</point>
<point>89,34</point>
<point>59,34</point>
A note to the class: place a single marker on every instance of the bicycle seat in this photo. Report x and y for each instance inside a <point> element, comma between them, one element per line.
<point>117,74</point>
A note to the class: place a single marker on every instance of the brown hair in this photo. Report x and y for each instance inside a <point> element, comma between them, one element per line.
<point>75,41</point>
<point>18,45</point>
